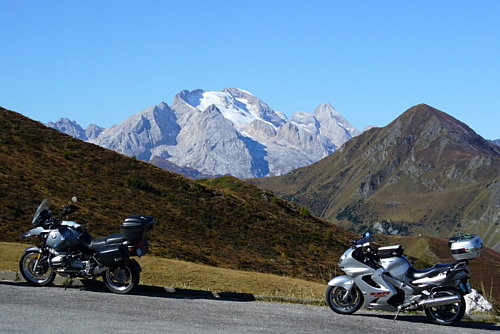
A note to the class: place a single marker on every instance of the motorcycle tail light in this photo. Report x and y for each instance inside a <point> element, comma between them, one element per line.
<point>139,244</point>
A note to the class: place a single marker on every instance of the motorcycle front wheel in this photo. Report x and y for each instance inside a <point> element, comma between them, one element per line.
<point>446,314</point>
<point>35,268</point>
<point>344,301</point>
<point>121,279</point>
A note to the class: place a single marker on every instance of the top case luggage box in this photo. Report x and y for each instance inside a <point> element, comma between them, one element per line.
<point>136,227</point>
<point>465,246</point>
<point>390,251</point>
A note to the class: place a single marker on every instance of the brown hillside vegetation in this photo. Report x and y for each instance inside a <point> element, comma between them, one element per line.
<point>426,172</point>
<point>222,222</point>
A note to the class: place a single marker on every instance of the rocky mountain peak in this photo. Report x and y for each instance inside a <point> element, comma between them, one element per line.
<point>92,131</point>
<point>331,124</point>
<point>425,172</point>
<point>237,92</point>
<point>326,109</point>
<point>225,132</point>
<point>212,110</point>
<point>433,127</point>
<point>69,127</point>
<point>192,98</point>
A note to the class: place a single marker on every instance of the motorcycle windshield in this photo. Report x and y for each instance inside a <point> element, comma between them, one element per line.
<point>42,207</point>
<point>366,238</point>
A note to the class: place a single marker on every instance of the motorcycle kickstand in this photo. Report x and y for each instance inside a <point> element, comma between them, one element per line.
<point>69,283</point>
<point>397,313</point>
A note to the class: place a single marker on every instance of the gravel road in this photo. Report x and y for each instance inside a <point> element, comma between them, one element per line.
<point>26,309</point>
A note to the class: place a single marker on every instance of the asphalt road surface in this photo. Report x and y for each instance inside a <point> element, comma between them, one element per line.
<point>26,309</point>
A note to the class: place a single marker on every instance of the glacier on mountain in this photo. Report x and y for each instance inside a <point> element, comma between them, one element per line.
<point>228,132</point>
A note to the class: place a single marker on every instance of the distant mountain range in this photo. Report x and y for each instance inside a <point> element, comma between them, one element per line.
<point>223,222</point>
<point>228,132</point>
<point>496,142</point>
<point>426,172</point>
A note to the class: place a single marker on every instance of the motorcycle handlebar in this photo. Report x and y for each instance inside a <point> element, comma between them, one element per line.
<point>69,210</point>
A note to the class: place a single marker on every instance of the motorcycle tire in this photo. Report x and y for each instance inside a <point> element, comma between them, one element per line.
<point>42,275</point>
<point>341,301</point>
<point>446,314</point>
<point>122,279</point>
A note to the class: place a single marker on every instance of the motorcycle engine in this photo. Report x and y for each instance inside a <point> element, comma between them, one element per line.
<point>72,262</point>
<point>77,264</point>
<point>58,261</point>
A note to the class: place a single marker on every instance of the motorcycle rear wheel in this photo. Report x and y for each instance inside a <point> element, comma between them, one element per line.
<point>342,301</point>
<point>446,314</point>
<point>36,269</point>
<point>121,279</point>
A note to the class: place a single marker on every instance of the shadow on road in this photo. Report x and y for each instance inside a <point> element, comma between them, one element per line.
<point>416,318</point>
<point>152,291</point>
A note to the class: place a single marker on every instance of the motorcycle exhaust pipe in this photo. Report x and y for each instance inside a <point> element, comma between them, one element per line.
<point>99,270</point>
<point>433,302</point>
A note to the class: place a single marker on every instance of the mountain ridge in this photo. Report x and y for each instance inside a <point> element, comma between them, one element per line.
<point>425,172</point>
<point>268,142</point>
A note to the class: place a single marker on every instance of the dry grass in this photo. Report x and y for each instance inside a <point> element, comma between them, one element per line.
<point>10,254</point>
<point>186,275</point>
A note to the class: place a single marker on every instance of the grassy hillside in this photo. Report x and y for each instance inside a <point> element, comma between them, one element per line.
<point>426,173</point>
<point>221,222</point>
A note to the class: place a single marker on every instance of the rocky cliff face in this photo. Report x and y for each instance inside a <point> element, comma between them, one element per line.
<point>68,127</point>
<point>143,131</point>
<point>426,172</point>
<point>228,132</point>
<point>73,129</point>
<point>93,131</point>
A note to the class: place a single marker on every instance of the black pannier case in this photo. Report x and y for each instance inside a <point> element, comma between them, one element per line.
<point>390,251</point>
<point>113,255</point>
<point>136,227</point>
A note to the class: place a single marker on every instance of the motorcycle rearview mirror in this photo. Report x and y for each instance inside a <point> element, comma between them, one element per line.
<point>367,234</point>
<point>74,199</point>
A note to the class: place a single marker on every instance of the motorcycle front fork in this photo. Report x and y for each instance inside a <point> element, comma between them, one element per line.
<point>36,266</point>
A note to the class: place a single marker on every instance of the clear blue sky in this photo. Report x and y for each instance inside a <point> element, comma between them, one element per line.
<point>101,61</point>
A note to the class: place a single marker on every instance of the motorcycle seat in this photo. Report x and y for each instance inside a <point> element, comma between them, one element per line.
<point>115,239</point>
<point>436,269</point>
<point>97,243</point>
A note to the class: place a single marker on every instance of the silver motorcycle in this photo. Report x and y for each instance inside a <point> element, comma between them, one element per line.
<point>383,279</point>
<point>67,249</point>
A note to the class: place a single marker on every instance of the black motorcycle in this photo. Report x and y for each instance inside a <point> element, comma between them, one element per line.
<point>69,250</point>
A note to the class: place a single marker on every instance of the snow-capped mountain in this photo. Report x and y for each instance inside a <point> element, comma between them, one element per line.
<point>228,132</point>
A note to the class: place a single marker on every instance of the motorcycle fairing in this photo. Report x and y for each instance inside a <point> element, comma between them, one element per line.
<point>34,232</point>
<point>376,290</point>
<point>344,281</point>
<point>33,248</point>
